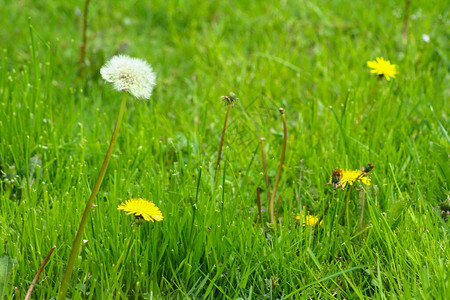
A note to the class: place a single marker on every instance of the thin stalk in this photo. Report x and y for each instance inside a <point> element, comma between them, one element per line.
<point>222,222</point>
<point>266,177</point>
<point>347,214</point>
<point>278,206</point>
<point>222,139</point>
<point>258,200</point>
<point>277,179</point>
<point>194,206</point>
<point>98,183</point>
<point>361,218</point>
<point>372,92</point>
<point>324,212</point>
<point>30,290</point>
<point>345,208</point>
<point>300,177</point>
<point>405,21</point>
<point>126,250</point>
<point>84,38</point>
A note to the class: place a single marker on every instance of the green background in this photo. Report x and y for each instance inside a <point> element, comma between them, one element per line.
<point>308,57</point>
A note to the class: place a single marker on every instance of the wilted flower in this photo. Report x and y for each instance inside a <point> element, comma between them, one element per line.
<point>367,168</point>
<point>383,68</point>
<point>142,208</point>
<point>336,177</point>
<point>131,75</point>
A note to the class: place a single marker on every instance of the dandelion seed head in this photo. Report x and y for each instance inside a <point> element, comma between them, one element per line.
<point>128,74</point>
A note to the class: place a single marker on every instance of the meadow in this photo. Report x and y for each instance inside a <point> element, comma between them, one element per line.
<point>308,57</point>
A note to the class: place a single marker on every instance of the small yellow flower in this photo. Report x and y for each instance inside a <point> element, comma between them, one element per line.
<point>383,68</point>
<point>309,220</point>
<point>142,208</point>
<point>352,176</point>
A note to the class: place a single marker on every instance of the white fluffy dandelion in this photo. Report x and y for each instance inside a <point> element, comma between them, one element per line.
<point>128,74</point>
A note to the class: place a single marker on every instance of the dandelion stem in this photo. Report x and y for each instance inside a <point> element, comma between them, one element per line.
<point>266,177</point>
<point>98,183</point>
<point>324,212</point>
<point>84,38</point>
<point>277,179</point>
<point>406,20</point>
<point>194,204</point>
<point>372,93</point>
<point>30,290</point>
<point>345,208</point>
<point>361,218</point>
<point>300,177</point>
<point>347,203</point>
<point>221,139</point>
<point>278,206</point>
<point>123,254</point>
<point>258,200</point>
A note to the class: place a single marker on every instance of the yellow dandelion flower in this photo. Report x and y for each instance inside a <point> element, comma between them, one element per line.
<point>142,208</point>
<point>383,68</point>
<point>352,176</point>
<point>309,220</point>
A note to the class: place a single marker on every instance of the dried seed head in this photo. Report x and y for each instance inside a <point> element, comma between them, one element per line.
<point>230,99</point>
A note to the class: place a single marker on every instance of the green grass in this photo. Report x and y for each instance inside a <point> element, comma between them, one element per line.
<point>308,57</point>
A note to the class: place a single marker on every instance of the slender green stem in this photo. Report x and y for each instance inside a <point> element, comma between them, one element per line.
<point>300,177</point>
<point>361,218</point>
<point>280,168</point>
<point>222,138</point>
<point>347,214</point>
<point>116,272</point>
<point>278,206</point>
<point>98,183</point>
<point>372,93</point>
<point>324,211</point>
<point>345,208</point>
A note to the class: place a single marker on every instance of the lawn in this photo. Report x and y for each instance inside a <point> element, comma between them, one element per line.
<point>386,238</point>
